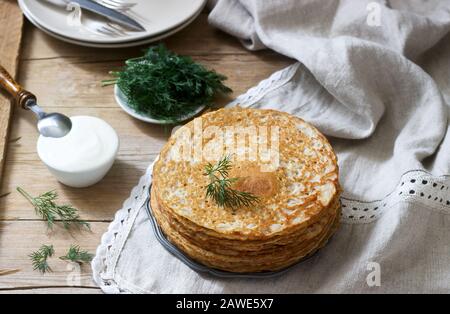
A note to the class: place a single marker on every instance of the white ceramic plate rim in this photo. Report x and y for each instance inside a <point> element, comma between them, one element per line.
<point>133,36</point>
<point>121,101</point>
<point>119,45</point>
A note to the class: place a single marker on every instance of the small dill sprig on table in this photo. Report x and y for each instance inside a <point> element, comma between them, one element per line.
<point>39,258</point>
<point>167,86</point>
<point>77,255</point>
<point>48,210</point>
<point>219,189</point>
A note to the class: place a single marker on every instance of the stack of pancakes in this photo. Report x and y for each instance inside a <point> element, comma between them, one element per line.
<point>289,166</point>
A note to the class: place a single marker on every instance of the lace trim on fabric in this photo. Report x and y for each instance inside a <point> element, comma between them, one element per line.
<point>112,242</point>
<point>416,186</point>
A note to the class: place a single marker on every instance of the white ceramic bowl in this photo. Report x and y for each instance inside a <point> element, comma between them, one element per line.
<point>84,156</point>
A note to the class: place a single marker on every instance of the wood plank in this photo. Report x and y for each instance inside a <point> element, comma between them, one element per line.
<point>19,239</point>
<point>76,81</point>
<point>97,203</point>
<point>11,22</point>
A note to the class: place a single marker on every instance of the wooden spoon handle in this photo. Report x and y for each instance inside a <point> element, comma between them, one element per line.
<point>20,95</point>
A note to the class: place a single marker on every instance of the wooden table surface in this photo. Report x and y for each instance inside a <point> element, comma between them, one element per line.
<point>66,78</point>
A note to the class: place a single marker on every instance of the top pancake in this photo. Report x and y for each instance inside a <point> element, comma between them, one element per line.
<point>293,192</point>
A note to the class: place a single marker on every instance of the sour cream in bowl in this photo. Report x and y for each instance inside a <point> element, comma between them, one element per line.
<point>82,157</point>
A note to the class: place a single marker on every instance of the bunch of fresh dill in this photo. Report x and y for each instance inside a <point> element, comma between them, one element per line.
<point>166,86</point>
<point>220,188</point>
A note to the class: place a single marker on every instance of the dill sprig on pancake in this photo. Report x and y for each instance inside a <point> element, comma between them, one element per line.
<point>166,86</point>
<point>219,189</point>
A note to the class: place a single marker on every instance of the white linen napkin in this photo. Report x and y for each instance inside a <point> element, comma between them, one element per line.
<point>375,77</point>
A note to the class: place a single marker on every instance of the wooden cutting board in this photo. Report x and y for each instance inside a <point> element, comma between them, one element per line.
<point>11,21</point>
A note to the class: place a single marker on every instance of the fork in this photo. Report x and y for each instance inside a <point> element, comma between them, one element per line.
<point>118,4</point>
<point>123,7</point>
<point>111,30</point>
<point>108,29</point>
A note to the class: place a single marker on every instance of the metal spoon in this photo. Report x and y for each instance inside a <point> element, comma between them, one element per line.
<point>49,124</point>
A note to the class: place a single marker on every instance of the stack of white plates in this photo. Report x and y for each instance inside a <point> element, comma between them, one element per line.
<point>160,18</point>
